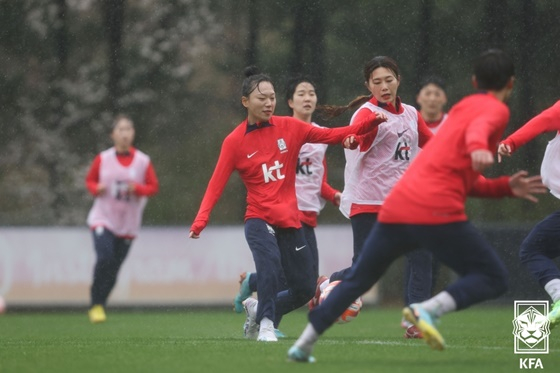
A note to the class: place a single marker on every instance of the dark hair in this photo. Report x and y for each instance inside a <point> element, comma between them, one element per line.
<point>118,118</point>
<point>253,77</point>
<point>294,82</point>
<point>493,69</point>
<point>331,111</point>
<point>433,79</point>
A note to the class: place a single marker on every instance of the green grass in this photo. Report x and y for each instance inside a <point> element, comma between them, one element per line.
<point>478,340</point>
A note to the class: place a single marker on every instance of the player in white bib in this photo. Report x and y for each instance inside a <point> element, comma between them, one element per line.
<point>312,188</point>
<point>375,167</point>
<point>120,178</point>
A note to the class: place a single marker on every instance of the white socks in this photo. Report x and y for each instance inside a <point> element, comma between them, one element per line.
<point>553,289</point>
<point>440,304</point>
<point>307,339</point>
<point>266,323</point>
<point>324,284</point>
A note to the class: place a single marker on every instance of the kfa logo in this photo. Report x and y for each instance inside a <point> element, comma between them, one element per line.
<point>282,145</point>
<point>403,151</point>
<point>270,175</point>
<point>531,327</point>
<point>303,167</point>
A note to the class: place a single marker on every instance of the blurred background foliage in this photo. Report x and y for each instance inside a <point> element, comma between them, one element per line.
<point>175,66</point>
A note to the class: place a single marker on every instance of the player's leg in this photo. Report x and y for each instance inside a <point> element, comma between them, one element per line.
<point>362,224</point>
<point>537,252</point>
<point>384,245</point>
<point>418,284</point>
<point>103,242</point>
<point>311,239</point>
<point>262,241</point>
<point>121,247</point>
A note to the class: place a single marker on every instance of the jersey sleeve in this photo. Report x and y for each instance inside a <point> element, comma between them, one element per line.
<point>216,185</point>
<point>548,120</point>
<point>365,140</point>
<point>327,191</point>
<point>337,135</point>
<point>151,183</point>
<point>491,188</point>
<point>483,128</point>
<point>424,132</point>
<point>92,177</point>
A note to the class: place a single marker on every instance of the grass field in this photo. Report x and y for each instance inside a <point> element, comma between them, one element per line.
<point>478,340</point>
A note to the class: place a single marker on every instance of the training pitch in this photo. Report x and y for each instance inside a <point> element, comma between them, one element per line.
<point>478,340</point>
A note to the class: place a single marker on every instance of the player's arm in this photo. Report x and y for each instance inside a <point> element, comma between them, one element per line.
<point>151,183</point>
<point>478,135</point>
<point>517,185</point>
<point>327,191</point>
<point>548,120</point>
<point>338,135</point>
<point>424,132</point>
<point>92,178</point>
<point>216,185</point>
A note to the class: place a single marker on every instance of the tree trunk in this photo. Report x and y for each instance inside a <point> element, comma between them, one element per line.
<point>113,16</point>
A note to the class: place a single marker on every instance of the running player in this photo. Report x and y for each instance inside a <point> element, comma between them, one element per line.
<point>373,169</point>
<point>312,188</point>
<point>264,150</point>
<point>541,246</point>
<point>426,208</point>
<point>121,178</point>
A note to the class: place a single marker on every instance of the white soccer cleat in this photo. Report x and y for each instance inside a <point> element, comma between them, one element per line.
<point>251,328</point>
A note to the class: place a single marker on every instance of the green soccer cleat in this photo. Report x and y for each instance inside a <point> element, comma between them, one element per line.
<point>298,355</point>
<point>279,334</point>
<point>417,315</point>
<point>244,292</point>
<point>554,314</point>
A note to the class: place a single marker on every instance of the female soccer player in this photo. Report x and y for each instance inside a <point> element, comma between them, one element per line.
<point>120,178</point>
<point>264,150</point>
<point>431,99</point>
<point>426,208</point>
<point>541,246</point>
<point>373,169</point>
<point>312,188</point>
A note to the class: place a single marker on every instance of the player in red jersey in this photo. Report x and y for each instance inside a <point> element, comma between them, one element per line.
<point>312,188</point>
<point>121,178</point>
<point>264,149</point>
<point>431,99</point>
<point>426,208</point>
<point>373,169</point>
<point>540,247</point>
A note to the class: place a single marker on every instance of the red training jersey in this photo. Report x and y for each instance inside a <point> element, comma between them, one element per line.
<point>434,188</point>
<point>265,156</point>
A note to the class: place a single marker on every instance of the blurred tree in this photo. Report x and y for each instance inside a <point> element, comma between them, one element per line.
<point>113,19</point>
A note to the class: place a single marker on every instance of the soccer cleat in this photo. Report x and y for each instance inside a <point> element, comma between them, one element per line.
<point>314,302</point>
<point>97,314</point>
<point>412,332</point>
<point>298,355</point>
<point>244,292</point>
<point>554,314</point>
<point>251,328</point>
<point>279,334</point>
<point>266,334</point>
<point>417,315</point>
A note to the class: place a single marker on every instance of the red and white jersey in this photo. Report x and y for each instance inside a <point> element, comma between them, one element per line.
<point>117,209</point>
<point>310,173</point>
<point>372,171</point>
<point>435,187</point>
<point>547,121</point>
<point>435,126</point>
<point>265,156</point>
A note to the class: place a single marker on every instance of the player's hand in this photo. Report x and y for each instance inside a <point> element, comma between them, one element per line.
<point>503,151</point>
<point>351,142</point>
<point>481,159</point>
<point>193,235</point>
<point>131,187</point>
<point>379,118</point>
<point>336,199</point>
<point>523,186</point>
<point>101,189</point>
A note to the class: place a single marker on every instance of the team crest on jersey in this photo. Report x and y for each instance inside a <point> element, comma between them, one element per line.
<point>282,145</point>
